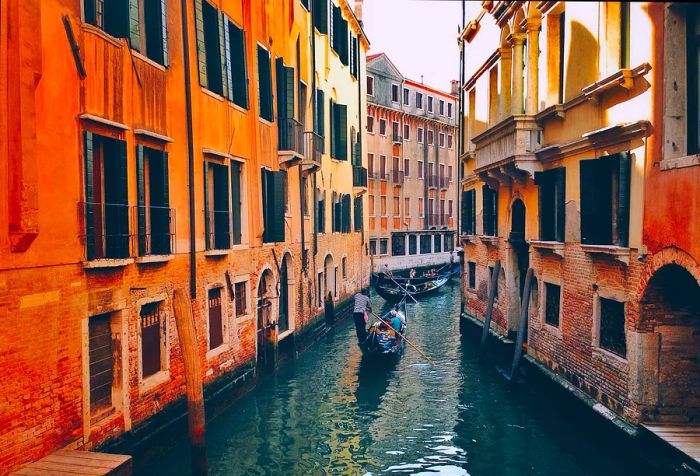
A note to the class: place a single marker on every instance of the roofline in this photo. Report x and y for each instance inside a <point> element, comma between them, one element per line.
<point>429,88</point>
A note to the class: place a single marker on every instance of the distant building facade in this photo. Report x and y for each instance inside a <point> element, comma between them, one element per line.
<point>411,157</point>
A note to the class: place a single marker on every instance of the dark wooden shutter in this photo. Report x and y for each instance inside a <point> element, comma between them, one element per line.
<point>560,204</point>
<point>201,48</point>
<point>333,121</point>
<point>321,116</point>
<point>264,185</point>
<point>90,11</point>
<point>121,230</point>
<point>88,158</point>
<point>342,132</point>
<point>216,331</point>
<point>236,201</point>
<point>487,210</point>
<point>222,217</point>
<point>347,217</point>
<point>141,199</point>
<point>101,358</point>
<point>238,66</point>
<point>164,29</point>
<point>282,135</point>
<point>134,33</point>
<point>623,199</point>
<point>226,59</point>
<point>320,12</point>
<point>163,242</point>
<point>223,53</point>
<point>358,213</point>
<point>277,205</point>
<point>596,207</point>
<point>472,221</point>
<point>466,209</point>
<point>207,225</point>
<point>265,84</point>
<point>289,91</point>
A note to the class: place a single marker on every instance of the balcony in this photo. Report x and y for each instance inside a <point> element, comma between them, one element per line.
<point>506,151</point>
<point>444,182</point>
<point>313,152</point>
<point>290,144</point>
<point>108,239</point>
<point>359,177</point>
<point>397,177</point>
<point>156,227</point>
<point>381,175</point>
<point>218,232</point>
<point>396,139</point>
<point>433,181</point>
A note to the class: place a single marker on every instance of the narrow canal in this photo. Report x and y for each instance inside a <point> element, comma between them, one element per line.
<point>328,412</point>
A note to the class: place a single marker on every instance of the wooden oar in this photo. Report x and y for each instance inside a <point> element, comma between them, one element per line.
<point>406,339</point>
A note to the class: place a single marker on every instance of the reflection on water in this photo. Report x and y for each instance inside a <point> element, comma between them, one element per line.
<point>331,412</point>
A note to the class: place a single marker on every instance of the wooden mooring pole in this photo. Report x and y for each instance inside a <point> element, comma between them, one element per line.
<point>489,307</point>
<point>193,380</point>
<point>522,326</point>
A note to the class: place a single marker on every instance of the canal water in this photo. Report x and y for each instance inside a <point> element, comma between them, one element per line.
<point>330,412</point>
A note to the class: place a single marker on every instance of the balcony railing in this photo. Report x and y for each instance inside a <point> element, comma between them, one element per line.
<point>396,139</point>
<point>436,219</point>
<point>372,174</point>
<point>291,139</point>
<point>359,176</point>
<point>397,177</point>
<point>515,138</point>
<point>313,151</point>
<point>218,229</point>
<point>444,182</point>
<point>107,230</point>
<point>433,181</point>
<point>156,230</point>
<point>382,175</point>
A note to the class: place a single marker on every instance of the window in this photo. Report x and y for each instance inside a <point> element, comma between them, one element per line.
<point>449,109</point>
<point>273,205</point>
<point>431,138</point>
<point>437,243</point>
<point>490,211</point>
<point>420,135</point>
<point>236,72</point>
<point>265,84</point>
<point>384,246</point>
<point>373,247</point>
<point>449,173</point>
<point>420,169</point>
<point>398,244</point>
<point>407,206</point>
<point>449,141</point>
<point>552,192</point>
<point>354,56</point>
<point>397,206</point>
<point>319,283</point>
<point>472,274</point>
<point>382,167</point>
<point>370,85</point>
<point>430,104</point>
<point>340,35</point>
<point>370,124</point>
<point>305,194</point>
<point>395,132</point>
<point>406,132</point>
<point>216,324</point>
<point>425,244</point>
<point>441,139</point>
<point>552,303</point>
<point>406,167</point>
<point>101,357</point>
<point>106,198</point>
<point>419,100</point>
<point>320,16</point>
<point>210,54</point>
<point>394,93</point>
<point>155,218</point>
<point>441,107</point>
<point>216,206</point>
<point>605,200</point>
<point>339,131</point>
<point>382,204</point>
<point>382,127</point>
<point>370,164</point>
<point>469,212</point>
<point>321,211</point>
<point>612,327</point>
<point>341,213</point>
<point>412,245</point>
<point>241,298</point>
<point>449,207</point>
<point>420,208</point>
<point>153,339</point>
<point>405,96</point>
<point>344,267</point>
<point>692,15</point>
<point>370,204</point>
<point>358,215</point>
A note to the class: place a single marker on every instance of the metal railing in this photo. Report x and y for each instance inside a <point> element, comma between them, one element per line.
<point>107,230</point>
<point>433,181</point>
<point>444,182</point>
<point>396,138</point>
<point>397,177</point>
<point>359,176</point>
<point>313,151</point>
<point>156,230</point>
<point>382,175</point>
<point>291,135</point>
<point>219,229</point>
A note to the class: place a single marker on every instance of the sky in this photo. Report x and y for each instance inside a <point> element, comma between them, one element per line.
<point>419,36</point>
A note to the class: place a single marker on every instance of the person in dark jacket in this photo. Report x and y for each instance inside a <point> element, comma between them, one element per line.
<point>329,307</point>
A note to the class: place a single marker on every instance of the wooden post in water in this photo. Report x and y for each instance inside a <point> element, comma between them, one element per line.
<point>193,380</point>
<point>522,327</point>
<point>489,307</point>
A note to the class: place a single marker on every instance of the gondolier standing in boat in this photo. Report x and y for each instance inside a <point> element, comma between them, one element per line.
<point>358,313</point>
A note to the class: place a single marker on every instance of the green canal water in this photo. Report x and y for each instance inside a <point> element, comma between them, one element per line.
<point>330,412</point>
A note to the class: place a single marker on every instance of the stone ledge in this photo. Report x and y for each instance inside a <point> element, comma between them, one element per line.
<point>107,263</point>
<point>216,253</point>
<point>553,247</point>
<point>489,240</point>
<point>680,162</point>
<point>617,253</point>
<point>154,259</point>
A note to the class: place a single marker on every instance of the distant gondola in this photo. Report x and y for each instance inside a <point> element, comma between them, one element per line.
<point>393,290</point>
<point>382,341</point>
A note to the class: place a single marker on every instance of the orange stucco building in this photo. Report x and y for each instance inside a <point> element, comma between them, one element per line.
<point>139,157</point>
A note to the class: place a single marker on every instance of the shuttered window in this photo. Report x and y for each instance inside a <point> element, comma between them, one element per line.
<point>119,18</point>
<point>320,14</point>
<point>320,117</point>
<point>241,299</point>
<point>273,198</point>
<point>211,51</point>
<point>106,206</point>
<point>216,324</point>
<point>552,195</point>
<point>101,356</point>
<point>237,73</point>
<point>490,211</point>
<point>155,30</point>
<point>321,211</point>
<point>152,338</point>
<point>346,214</point>
<point>265,84</point>
<point>155,218</point>
<point>605,200</point>
<point>398,244</point>
<point>217,216</point>
<point>236,201</point>
<point>412,244</point>
<point>612,327</point>
<point>358,214</point>
<point>339,131</point>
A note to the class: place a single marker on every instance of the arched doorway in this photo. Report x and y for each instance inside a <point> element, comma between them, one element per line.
<point>670,309</point>
<point>329,270</point>
<point>519,261</point>
<point>265,328</point>
<point>284,308</point>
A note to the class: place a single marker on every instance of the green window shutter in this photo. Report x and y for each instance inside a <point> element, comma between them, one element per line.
<point>207,225</point>
<point>544,205</point>
<point>201,48</point>
<point>342,132</point>
<point>560,203</point>
<point>228,70</point>
<point>320,12</point>
<point>623,199</point>
<point>265,84</point>
<point>238,66</point>
<point>265,204</point>
<point>487,210</point>
<point>236,201</point>
<point>465,212</point>
<point>222,218</point>
<point>282,136</point>
<point>289,91</point>
<point>224,54</point>
<point>122,198</point>
<point>332,114</point>
<point>90,11</point>
<point>321,115</point>
<point>141,199</point>
<point>164,27</point>
<point>277,205</point>
<point>346,214</point>
<point>134,34</point>
<point>164,243</point>
<point>88,158</point>
<point>359,214</point>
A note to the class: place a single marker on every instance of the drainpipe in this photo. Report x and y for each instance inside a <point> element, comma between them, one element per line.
<point>313,121</point>
<point>190,147</point>
<point>359,115</point>
<point>460,119</point>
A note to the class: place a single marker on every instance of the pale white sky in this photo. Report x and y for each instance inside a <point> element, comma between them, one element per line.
<point>420,37</point>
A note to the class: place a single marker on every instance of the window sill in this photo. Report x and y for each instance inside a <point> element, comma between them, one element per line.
<point>284,334</point>
<point>107,263</point>
<point>553,247</point>
<point>154,259</point>
<point>102,34</point>
<point>212,94</point>
<point>264,121</point>
<point>213,353</point>
<point>148,60</point>
<point>610,359</point>
<point>489,240</point>
<point>103,121</point>
<point>473,239</point>
<point>153,381</point>
<point>617,253</point>
<point>680,162</point>
<point>245,318</point>
<point>552,330</point>
<point>216,253</point>
<point>238,107</point>
<point>242,246</point>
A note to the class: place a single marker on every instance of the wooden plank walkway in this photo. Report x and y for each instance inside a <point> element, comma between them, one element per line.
<point>685,438</point>
<point>72,462</point>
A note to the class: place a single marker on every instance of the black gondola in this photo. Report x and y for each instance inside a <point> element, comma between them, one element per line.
<point>392,289</point>
<point>382,341</point>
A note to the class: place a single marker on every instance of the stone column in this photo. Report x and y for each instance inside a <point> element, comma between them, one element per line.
<point>504,104</point>
<point>517,89</point>
<point>533,51</point>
